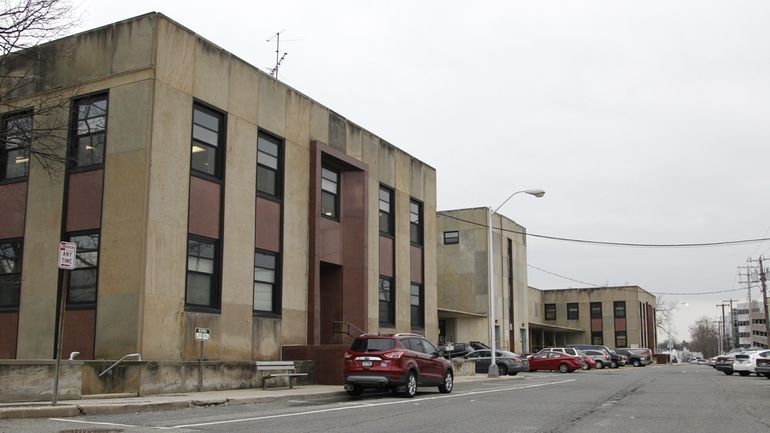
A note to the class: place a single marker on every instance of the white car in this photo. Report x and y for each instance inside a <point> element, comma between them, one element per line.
<point>746,362</point>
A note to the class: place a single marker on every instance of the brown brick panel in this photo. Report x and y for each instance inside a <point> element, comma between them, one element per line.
<point>9,324</point>
<point>415,264</point>
<point>596,325</point>
<point>620,324</point>
<point>267,235</point>
<point>386,256</point>
<point>84,200</point>
<point>13,197</point>
<point>79,331</point>
<point>204,208</point>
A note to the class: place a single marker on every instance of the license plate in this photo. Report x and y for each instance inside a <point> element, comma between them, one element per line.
<point>366,364</point>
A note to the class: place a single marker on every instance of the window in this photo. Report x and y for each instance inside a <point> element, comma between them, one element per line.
<point>387,302</point>
<point>597,338</point>
<point>89,131</point>
<point>202,273</point>
<point>620,339</point>
<point>596,310</point>
<point>573,311</point>
<point>329,192</point>
<point>10,273</point>
<point>620,310</point>
<point>207,134</point>
<point>266,287</point>
<point>269,179</point>
<point>550,311</point>
<point>451,237</point>
<point>14,150</point>
<point>386,211</point>
<point>415,222</point>
<point>83,279</point>
<point>417,302</point>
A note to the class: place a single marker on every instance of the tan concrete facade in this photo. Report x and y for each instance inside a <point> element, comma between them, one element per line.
<point>153,71</point>
<point>463,298</point>
<point>638,322</point>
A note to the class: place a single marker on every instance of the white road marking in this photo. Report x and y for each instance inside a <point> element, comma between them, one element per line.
<point>362,406</point>
<point>77,421</point>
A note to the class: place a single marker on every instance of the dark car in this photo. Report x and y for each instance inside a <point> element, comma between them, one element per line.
<point>554,361</point>
<point>600,357</point>
<point>763,367</point>
<point>456,350</point>
<point>637,359</point>
<point>401,362</point>
<point>725,364</point>
<point>508,363</point>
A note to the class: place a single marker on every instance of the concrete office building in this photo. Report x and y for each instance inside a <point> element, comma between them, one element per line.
<point>463,298</point>
<point>201,192</point>
<point>613,316</point>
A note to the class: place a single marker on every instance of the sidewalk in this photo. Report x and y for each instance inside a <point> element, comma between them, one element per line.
<point>127,404</point>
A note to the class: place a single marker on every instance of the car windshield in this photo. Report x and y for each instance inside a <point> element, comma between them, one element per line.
<point>372,344</point>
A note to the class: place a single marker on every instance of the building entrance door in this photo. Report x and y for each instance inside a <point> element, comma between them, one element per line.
<point>331,302</point>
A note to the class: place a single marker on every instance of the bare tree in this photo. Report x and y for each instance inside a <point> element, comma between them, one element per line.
<point>704,337</point>
<point>24,26</point>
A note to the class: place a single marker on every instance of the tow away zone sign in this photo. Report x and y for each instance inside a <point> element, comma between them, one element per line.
<point>67,251</point>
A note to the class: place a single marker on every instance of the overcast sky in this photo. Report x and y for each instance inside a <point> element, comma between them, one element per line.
<point>645,122</point>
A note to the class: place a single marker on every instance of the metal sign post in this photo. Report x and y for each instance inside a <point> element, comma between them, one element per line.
<point>67,254</point>
<point>203,335</point>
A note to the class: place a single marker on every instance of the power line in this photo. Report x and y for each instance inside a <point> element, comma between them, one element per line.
<point>617,244</point>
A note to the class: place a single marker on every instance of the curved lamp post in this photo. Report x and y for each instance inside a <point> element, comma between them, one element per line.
<point>493,370</point>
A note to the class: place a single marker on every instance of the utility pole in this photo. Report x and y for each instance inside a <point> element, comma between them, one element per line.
<point>763,281</point>
<point>722,337</point>
<point>733,338</point>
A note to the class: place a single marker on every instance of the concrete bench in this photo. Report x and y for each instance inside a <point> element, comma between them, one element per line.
<point>287,367</point>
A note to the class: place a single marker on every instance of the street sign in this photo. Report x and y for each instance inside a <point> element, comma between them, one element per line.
<point>202,334</point>
<point>67,252</point>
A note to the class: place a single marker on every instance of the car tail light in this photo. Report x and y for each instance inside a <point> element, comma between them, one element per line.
<point>393,355</point>
<point>348,354</point>
<point>516,359</point>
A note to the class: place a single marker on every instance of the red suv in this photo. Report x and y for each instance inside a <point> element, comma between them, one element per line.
<point>400,362</point>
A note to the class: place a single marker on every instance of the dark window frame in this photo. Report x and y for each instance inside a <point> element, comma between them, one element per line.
<point>416,229</point>
<point>15,274</point>
<point>451,240</point>
<point>219,149</point>
<point>597,338</point>
<point>277,287</point>
<point>336,194</point>
<point>573,314</point>
<point>417,322</point>
<point>278,172</point>
<point>24,148</point>
<point>549,308</point>
<point>390,230</point>
<point>70,238</point>
<point>618,342</point>
<point>593,310</point>
<point>73,150</point>
<point>622,309</point>
<point>387,322</point>
<point>215,296</point>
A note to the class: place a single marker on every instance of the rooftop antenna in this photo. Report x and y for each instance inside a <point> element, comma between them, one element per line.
<point>278,57</point>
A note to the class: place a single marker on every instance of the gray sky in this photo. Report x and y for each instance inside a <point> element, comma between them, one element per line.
<point>645,122</point>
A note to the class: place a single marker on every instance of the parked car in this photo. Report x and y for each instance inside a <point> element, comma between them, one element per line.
<point>569,351</point>
<point>401,362</point>
<point>634,357</point>
<point>711,361</point>
<point>746,362</point>
<point>617,360</point>
<point>554,361</point>
<point>508,363</point>
<point>456,350</point>
<point>725,364</point>
<point>763,367</point>
<point>588,361</point>
<point>600,357</point>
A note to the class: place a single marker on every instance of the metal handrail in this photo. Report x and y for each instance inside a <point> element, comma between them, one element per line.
<point>349,325</point>
<point>138,356</point>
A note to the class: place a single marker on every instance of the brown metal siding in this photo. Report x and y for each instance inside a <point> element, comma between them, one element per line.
<point>267,235</point>
<point>9,323</point>
<point>13,197</point>
<point>79,329</point>
<point>596,325</point>
<point>204,207</point>
<point>620,324</point>
<point>84,200</point>
<point>415,264</point>
<point>386,256</point>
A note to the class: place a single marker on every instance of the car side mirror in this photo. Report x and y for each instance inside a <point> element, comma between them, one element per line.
<point>440,353</point>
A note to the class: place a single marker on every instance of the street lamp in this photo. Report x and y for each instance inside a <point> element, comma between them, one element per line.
<point>493,370</point>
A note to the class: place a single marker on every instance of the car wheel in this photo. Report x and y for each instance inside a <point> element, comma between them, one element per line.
<point>613,364</point>
<point>767,375</point>
<point>411,385</point>
<point>516,372</point>
<point>563,368</point>
<point>357,390</point>
<point>599,365</point>
<point>448,384</point>
<point>503,370</point>
<point>637,363</point>
<point>585,367</point>
<point>744,373</point>
<point>729,373</point>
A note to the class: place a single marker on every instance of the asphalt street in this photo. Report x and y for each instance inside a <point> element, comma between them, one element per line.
<point>681,399</point>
